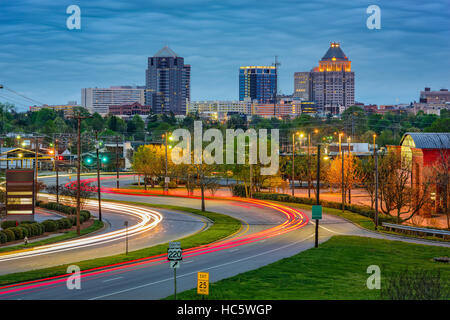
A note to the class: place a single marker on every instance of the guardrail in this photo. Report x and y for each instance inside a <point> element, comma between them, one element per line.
<point>434,232</point>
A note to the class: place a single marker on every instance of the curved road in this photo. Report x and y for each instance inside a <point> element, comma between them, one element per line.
<point>271,232</point>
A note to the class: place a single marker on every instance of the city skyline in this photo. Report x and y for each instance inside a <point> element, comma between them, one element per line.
<point>45,61</point>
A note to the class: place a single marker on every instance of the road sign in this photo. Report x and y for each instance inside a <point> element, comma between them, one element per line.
<point>175,264</point>
<point>167,179</point>
<point>174,253</point>
<point>317,212</point>
<point>203,283</point>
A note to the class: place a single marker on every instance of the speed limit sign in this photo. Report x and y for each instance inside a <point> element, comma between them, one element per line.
<point>203,283</point>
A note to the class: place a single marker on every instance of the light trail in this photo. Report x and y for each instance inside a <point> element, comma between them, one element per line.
<point>148,219</point>
<point>295,220</point>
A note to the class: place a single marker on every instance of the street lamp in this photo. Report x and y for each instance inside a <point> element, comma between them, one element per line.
<point>340,137</point>
<point>293,158</point>
<point>374,137</point>
<point>166,183</point>
<point>309,161</point>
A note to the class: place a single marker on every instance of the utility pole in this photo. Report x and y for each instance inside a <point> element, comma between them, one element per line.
<point>98,179</point>
<point>293,163</point>
<point>318,194</point>
<point>117,161</point>
<point>78,171</point>
<point>79,118</point>
<point>36,166</point>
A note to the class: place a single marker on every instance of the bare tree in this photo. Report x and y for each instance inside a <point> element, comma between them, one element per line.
<point>399,198</point>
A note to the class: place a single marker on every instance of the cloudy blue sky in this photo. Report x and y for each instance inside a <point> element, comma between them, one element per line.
<point>42,59</point>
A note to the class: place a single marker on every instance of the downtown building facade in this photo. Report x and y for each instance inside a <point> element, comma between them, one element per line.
<point>331,85</point>
<point>100,99</point>
<point>167,82</point>
<point>258,83</point>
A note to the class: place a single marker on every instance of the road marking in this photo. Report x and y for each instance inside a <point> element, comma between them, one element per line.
<point>233,250</point>
<point>190,273</point>
<point>112,279</point>
<point>185,262</point>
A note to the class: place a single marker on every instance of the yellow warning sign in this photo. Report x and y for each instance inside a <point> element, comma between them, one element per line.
<point>203,283</point>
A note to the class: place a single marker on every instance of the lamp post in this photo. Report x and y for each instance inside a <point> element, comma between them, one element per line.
<point>117,160</point>
<point>57,170</point>
<point>166,184</point>
<point>350,186</point>
<point>98,178</point>
<point>342,177</point>
<point>374,137</point>
<point>317,194</point>
<point>293,160</point>
<point>309,157</point>
<point>376,189</point>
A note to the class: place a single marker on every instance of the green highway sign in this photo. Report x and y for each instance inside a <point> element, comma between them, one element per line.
<point>317,212</point>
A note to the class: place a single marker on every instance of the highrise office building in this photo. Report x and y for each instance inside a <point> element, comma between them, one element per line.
<point>258,83</point>
<point>167,82</point>
<point>331,85</point>
<point>99,99</point>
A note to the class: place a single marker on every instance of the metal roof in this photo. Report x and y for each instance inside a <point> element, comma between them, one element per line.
<point>433,140</point>
<point>166,52</point>
<point>334,51</point>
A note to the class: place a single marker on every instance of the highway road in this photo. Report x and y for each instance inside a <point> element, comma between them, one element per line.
<point>270,233</point>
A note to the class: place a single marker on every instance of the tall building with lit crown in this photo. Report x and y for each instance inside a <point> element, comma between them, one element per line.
<point>258,83</point>
<point>167,82</point>
<point>331,85</point>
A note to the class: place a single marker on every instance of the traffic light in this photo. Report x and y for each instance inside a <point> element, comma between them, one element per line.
<point>105,159</point>
<point>61,158</point>
<point>88,161</point>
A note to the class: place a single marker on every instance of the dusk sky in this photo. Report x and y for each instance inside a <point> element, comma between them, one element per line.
<point>44,60</point>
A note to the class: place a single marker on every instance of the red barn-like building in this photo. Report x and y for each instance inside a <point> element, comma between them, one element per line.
<point>429,156</point>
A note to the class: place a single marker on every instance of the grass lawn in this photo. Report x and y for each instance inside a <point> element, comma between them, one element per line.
<point>360,220</point>
<point>223,226</point>
<point>66,236</point>
<point>336,270</point>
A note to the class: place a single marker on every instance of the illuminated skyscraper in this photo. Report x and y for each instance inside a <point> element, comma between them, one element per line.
<point>331,84</point>
<point>258,83</point>
<point>167,82</point>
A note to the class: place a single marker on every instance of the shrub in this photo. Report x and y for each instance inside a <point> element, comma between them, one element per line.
<point>86,213</point>
<point>3,237</point>
<point>28,228</point>
<point>10,235</point>
<point>41,228</point>
<point>18,232</point>
<point>73,219</point>
<point>238,190</point>
<point>25,231</point>
<point>26,222</point>
<point>65,223</point>
<point>9,224</point>
<point>49,225</point>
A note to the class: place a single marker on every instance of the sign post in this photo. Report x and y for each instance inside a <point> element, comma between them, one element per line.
<point>317,215</point>
<point>175,255</point>
<point>203,283</point>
